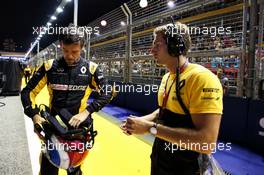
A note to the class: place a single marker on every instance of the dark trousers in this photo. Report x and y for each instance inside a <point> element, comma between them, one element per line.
<point>46,168</point>
<point>165,162</point>
<point>156,169</point>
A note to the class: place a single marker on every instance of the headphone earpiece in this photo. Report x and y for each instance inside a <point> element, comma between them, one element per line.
<point>175,42</point>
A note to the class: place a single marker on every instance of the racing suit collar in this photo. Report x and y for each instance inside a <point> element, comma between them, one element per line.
<point>76,63</point>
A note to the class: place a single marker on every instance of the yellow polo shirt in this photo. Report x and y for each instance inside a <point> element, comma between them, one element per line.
<point>201,91</point>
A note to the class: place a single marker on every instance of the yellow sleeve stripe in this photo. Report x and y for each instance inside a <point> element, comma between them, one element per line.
<point>83,106</point>
<point>94,84</point>
<point>36,90</point>
<point>50,95</point>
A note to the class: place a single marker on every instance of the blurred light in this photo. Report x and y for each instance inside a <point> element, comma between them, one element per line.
<point>43,30</point>
<point>40,35</point>
<point>59,10</point>
<point>103,23</point>
<point>58,46</point>
<point>143,3</point>
<point>122,23</point>
<point>53,17</point>
<point>171,4</point>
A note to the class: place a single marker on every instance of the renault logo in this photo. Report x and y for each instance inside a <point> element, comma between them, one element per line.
<point>83,70</point>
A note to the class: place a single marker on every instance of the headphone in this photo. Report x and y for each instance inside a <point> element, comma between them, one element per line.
<point>174,41</point>
<point>176,47</point>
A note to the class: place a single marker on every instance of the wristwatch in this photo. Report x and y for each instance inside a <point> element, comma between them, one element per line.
<point>153,130</point>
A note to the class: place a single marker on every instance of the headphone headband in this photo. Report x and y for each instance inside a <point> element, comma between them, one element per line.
<point>174,41</point>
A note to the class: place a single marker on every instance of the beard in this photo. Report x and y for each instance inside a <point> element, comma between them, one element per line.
<point>71,62</point>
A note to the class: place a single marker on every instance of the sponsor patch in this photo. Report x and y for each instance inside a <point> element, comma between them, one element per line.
<point>211,90</point>
<point>63,87</point>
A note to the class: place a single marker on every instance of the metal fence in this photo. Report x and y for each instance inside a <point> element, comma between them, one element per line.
<point>143,68</point>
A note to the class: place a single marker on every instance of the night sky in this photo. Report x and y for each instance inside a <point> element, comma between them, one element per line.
<point>18,17</point>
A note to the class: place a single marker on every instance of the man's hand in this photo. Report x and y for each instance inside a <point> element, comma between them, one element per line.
<point>77,119</point>
<point>38,119</point>
<point>123,127</point>
<point>137,125</point>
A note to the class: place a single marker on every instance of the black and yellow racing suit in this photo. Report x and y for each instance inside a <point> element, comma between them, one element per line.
<point>27,73</point>
<point>69,87</point>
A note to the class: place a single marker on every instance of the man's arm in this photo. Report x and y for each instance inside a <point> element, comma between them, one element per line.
<point>105,96</point>
<point>204,135</point>
<point>148,118</point>
<point>153,116</point>
<point>29,93</point>
<point>105,92</point>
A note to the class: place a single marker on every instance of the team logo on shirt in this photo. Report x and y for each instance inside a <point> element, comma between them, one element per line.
<point>83,70</point>
<point>60,70</point>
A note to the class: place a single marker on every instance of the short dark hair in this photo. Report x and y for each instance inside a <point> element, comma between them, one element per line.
<point>71,35</point>
<point>182,29</point>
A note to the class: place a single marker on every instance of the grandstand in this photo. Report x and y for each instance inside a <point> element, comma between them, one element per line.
<point>123,47</point>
